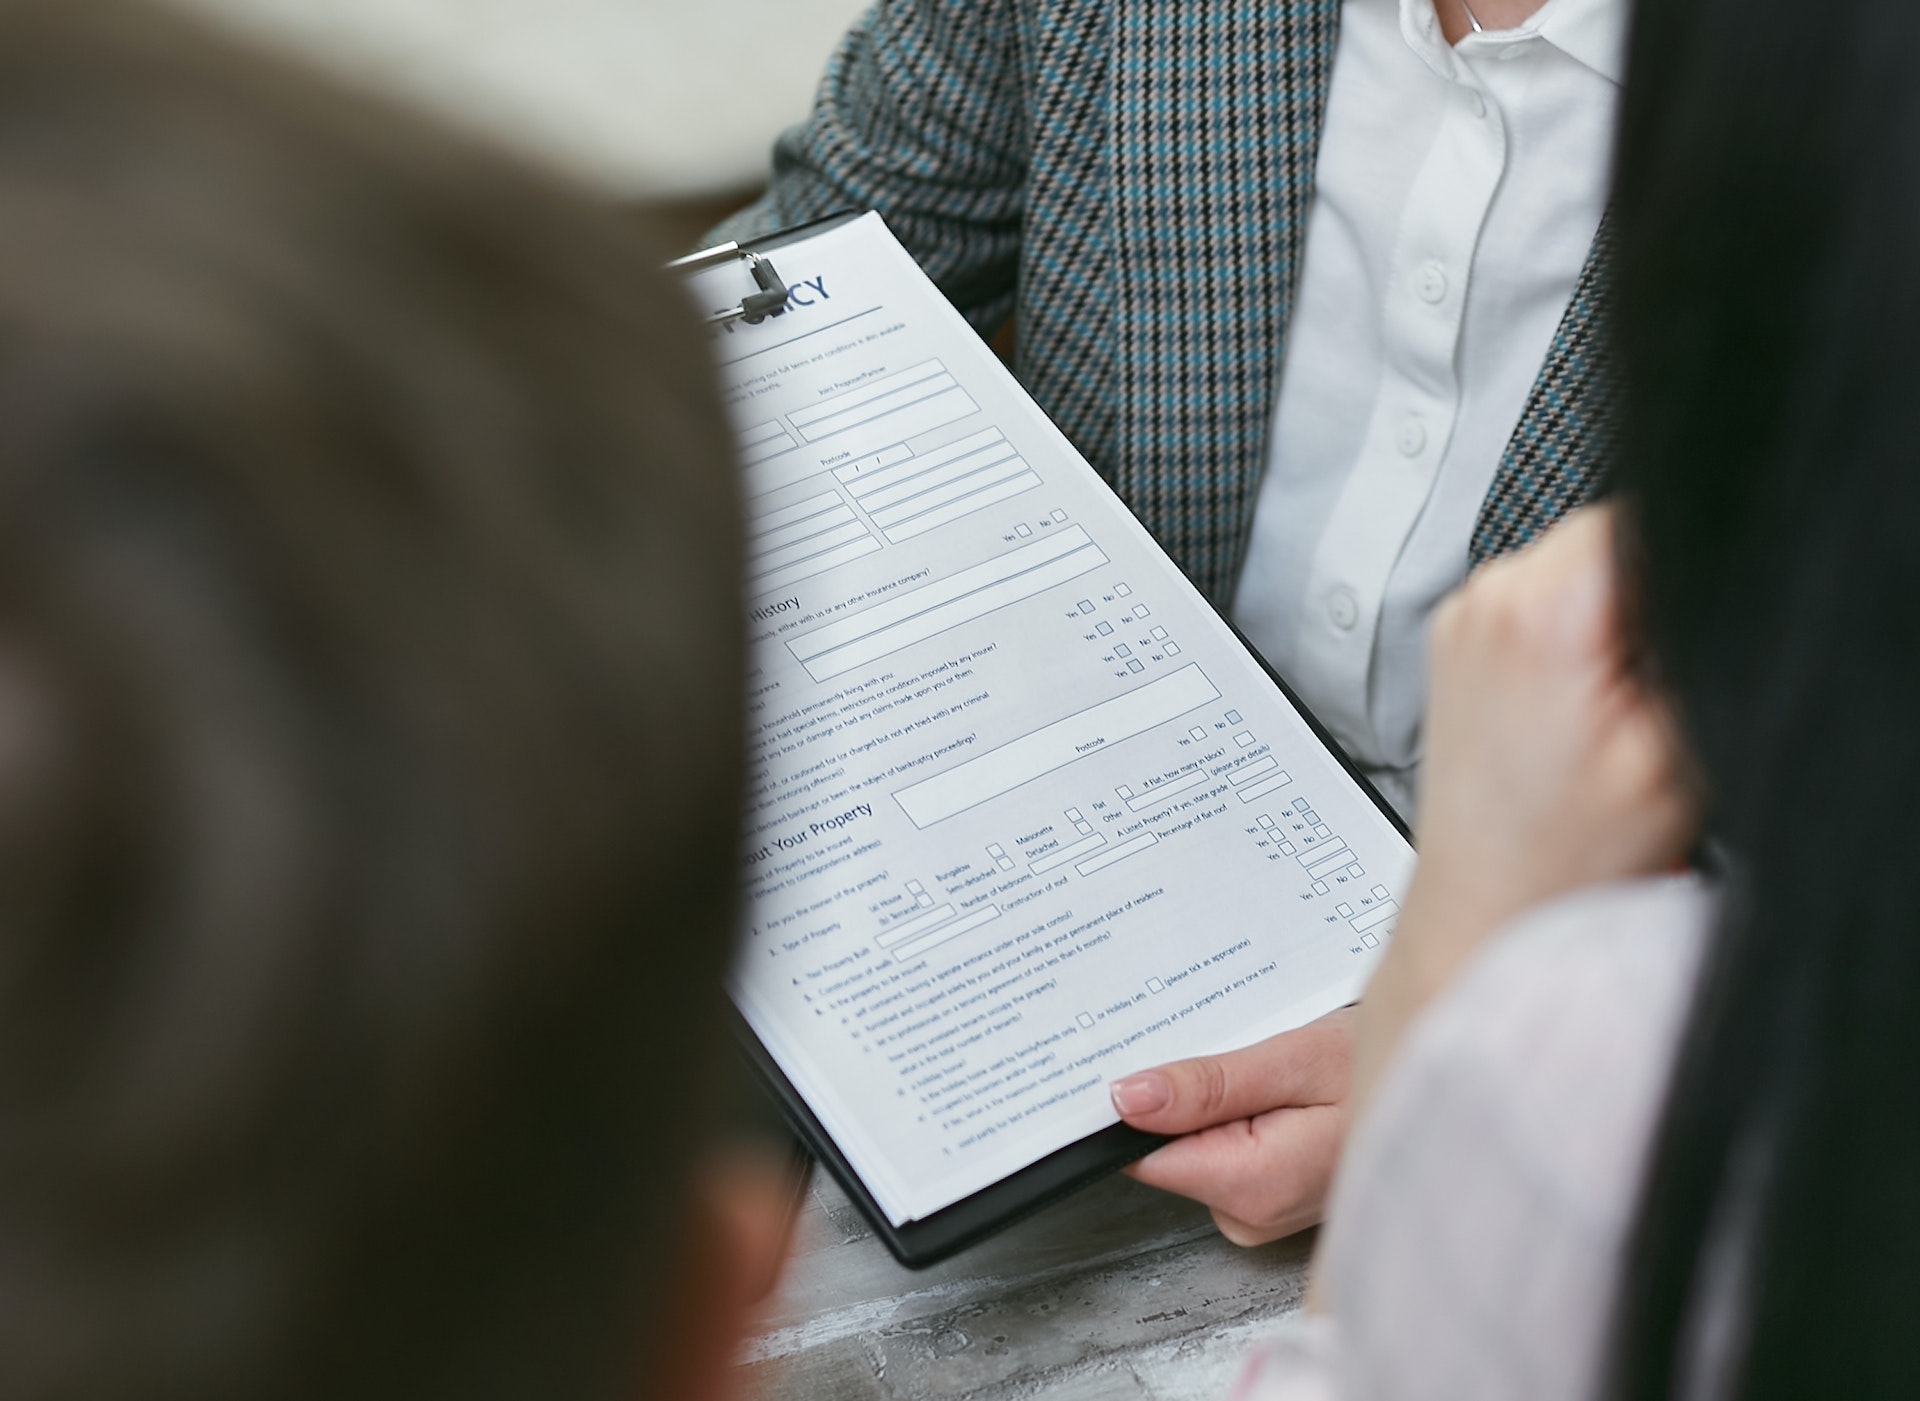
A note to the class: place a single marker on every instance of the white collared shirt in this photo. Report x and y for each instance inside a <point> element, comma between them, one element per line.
<point>1458,193</point>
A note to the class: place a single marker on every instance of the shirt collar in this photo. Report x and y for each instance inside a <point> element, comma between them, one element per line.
<point>1592,32</point>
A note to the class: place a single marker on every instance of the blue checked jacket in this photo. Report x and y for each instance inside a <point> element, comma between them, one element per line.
<point>1132,179</point>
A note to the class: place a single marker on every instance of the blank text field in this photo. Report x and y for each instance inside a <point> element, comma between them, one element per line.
<point>887,411</point>
<point>1118,854</point>
<point>1378,915</point>
<point>807,568</point>
<point>967,505</point>
<point>945,492</point>
<point>1265,786</point>
<point>768,561</point>
<point>921,476</point>
<point>871,392</point>
<point>1061,855</point>
<point>781,536</point>
<point>1055,746</point>
<point>914,928</point>
<point>1253,771</point>
<point>966,924</point>
<point>1166,790</point>
<point>759,523</point>
<point>959,598</point>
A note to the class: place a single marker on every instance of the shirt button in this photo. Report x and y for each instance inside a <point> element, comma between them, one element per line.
<point>1411,439</point>
<point>1343,608</point>
<point>1431,284</point>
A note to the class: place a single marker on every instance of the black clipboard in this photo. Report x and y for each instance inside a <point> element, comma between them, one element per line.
<point>928,1241</point>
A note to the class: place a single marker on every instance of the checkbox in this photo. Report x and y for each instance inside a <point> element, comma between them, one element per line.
<point>1074,814</point>
<point>994,849</point>
<point>1123,590</point>
<point>1125,790</point>
<point>1059,515</point>
<point>1023,531</point>
<point>1004,864</point>
<point>1085,829</point>
<point>1323,831</point>
<point>1287,848</point>
<point>1135,665</point>
<point>1159,634</point>
<point>1233,717</point>
<point>1266,821</point>
<point>1244,739</point>
<point>1085,1020</point>
<point>1344,911</point>
<point>1319,887</point>
<point>1380,892</point>
<point>1173,649</point>
<point>1196,733</point>
<point>1142,612</point>
<point>1105,629</point>
<point>1086,605</point>
<point>1122,650</point>
<point>1370,941</point>
<point>1155,985</point>
<point>1355,872</point>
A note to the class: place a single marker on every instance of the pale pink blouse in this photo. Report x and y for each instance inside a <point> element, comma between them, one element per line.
<point>1474,1237</point>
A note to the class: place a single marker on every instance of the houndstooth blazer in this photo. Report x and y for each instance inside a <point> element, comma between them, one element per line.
<point>1132,179</point>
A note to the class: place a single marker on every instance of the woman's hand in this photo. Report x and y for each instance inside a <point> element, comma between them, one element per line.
<point>1548,765</point>
<point>1257,1131</point>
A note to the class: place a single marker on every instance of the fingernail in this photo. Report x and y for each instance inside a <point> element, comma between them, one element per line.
<point>1141,1094</point>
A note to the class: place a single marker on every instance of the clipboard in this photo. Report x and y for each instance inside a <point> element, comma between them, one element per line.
<point>773,295</point>
<point>941,1234</point>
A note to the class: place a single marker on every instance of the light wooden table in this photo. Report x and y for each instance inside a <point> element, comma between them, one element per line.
<point>1119,1292</point>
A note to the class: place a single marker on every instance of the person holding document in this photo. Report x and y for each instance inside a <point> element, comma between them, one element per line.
<point>1318,287</point>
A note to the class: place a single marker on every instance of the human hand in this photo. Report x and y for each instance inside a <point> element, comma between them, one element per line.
<point>1548,765</point>
<point>1260,1128</point>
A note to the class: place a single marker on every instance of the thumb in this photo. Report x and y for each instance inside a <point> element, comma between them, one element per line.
<point>1310,1065</point>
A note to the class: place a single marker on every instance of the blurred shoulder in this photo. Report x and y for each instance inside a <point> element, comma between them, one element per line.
<point>1477,1225</point>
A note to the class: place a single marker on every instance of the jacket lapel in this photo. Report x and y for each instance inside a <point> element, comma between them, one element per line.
<point>1559,453</point>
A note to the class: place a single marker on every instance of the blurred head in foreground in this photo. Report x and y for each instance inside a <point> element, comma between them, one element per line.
<point>369,651</point>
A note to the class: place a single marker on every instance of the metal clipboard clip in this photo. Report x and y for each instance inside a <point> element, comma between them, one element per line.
<point>770,300</point>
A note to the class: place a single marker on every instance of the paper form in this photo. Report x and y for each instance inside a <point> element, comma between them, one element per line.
<point>1023,816</point>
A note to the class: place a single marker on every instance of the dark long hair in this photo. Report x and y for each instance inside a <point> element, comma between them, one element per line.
<point>1768,217</point>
